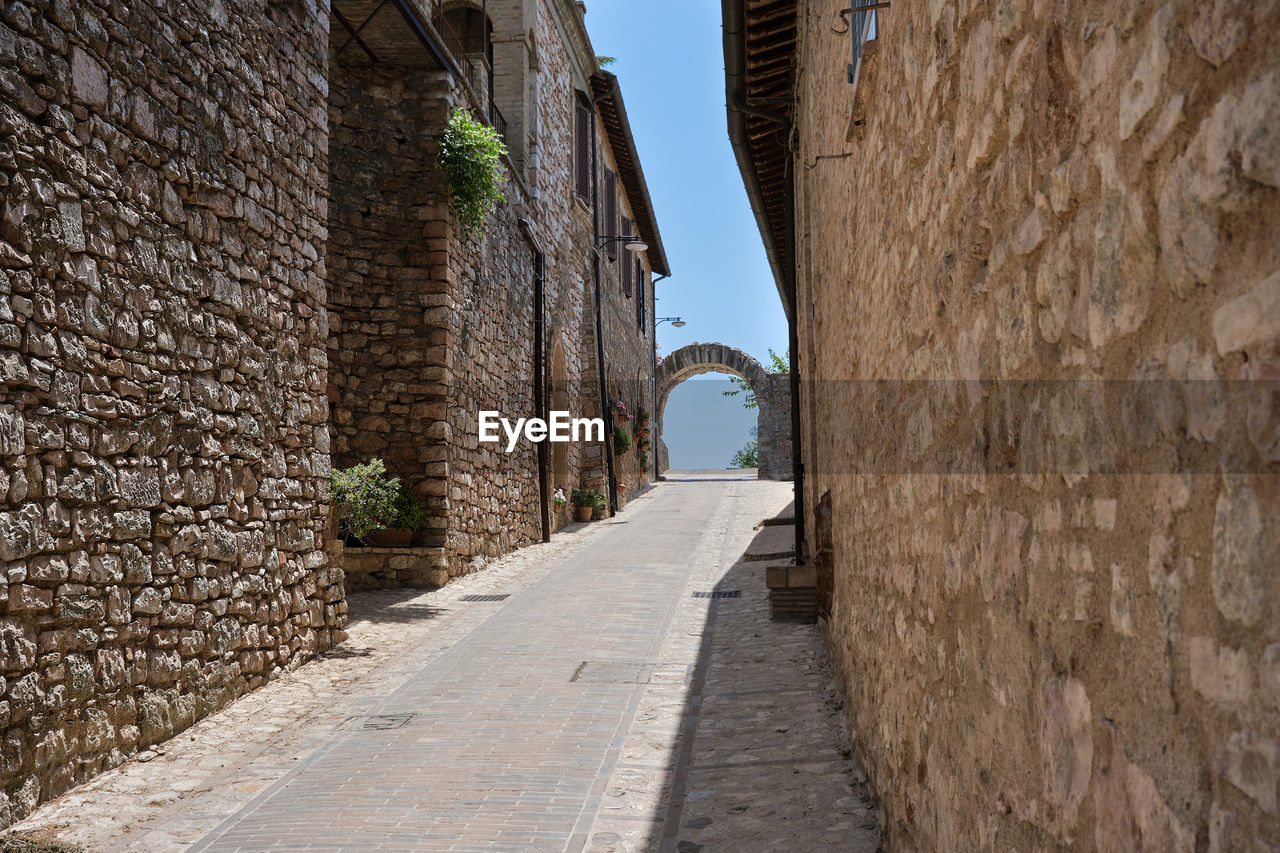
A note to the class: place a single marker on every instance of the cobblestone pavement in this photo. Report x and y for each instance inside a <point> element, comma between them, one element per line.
<point>600,707</point>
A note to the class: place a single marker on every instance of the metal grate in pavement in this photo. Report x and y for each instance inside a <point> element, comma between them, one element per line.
<point>719,593</point>
<point>503,597</point>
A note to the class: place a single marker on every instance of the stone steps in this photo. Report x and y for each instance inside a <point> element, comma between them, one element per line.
<point>793,590</point>
<point>787,516</point>
<point>773,542</point>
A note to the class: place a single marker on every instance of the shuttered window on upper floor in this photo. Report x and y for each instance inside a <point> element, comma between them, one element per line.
<point>626,263</point>
<point>582,153</point>
<point>611,211</point>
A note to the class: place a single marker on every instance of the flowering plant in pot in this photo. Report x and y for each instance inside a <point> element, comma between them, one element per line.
<point>585,502</point>
<point>620,411</point>
<point>559,498</point>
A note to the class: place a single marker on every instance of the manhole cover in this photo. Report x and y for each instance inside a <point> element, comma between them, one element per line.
<point>503,597</point>
<point>718,593</point>
<point>630,672</point>
<point>387,721</point>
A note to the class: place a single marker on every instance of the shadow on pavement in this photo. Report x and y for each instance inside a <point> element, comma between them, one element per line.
<point>389,605</point>
<point>764,760</point>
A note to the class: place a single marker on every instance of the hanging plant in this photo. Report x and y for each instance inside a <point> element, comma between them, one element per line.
<point>471,156</point>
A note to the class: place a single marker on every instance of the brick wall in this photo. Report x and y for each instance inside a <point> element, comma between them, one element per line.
<point>1037,649</point>
<point>165,461</point>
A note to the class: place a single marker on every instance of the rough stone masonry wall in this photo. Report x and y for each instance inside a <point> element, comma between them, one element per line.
<point>493,494</point>
<point>628,355</point>
<point>162,428</point>
<point>390,310</point>
<point>564,223</point>
<point>1039,652</point>
<point>433,325</point>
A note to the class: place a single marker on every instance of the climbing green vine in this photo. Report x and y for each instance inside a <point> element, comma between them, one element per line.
<point>471,155</point>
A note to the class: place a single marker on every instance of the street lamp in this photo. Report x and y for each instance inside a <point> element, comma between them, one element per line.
<point>675,321</point>
<point>630,242</point>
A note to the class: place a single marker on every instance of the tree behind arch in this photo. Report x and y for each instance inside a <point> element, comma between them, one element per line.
<point>777,364</point>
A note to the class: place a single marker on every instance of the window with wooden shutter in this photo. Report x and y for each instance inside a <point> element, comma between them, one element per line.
<point>640,298</point>
<point>626,265</point>
<point>582,153</point>
<point>611,210</point>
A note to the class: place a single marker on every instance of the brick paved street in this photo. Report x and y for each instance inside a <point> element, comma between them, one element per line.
<point>559,718</point>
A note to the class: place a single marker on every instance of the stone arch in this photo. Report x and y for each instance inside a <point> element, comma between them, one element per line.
<point>771,389</point>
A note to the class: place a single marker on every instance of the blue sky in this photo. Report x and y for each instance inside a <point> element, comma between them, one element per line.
<point>672,79</point>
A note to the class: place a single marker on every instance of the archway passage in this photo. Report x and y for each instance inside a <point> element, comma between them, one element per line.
<point>772,390</point>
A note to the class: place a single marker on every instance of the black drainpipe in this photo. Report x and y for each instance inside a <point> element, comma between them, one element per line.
<point>606,409</point>
<point>540,370</point>
<point>793,344</point>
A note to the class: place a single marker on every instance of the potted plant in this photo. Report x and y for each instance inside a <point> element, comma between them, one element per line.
<point>621,440</point>
<point>363,499</point>
<point>585,501</point>
<point>405,518</point>
<point>558,497</point>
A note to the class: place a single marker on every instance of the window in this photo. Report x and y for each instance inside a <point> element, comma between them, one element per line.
<point>626,265</point>
<point>611,211</point>
<point>640,297</point>
<point>582,153</point>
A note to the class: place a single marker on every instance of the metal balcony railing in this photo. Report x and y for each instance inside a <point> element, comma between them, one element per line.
<point>469,54</point>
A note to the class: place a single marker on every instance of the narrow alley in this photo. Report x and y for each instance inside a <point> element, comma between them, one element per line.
<point>589,700</point>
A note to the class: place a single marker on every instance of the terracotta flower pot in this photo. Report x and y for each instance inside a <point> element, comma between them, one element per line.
<point>391,537</point>
<point>583,512</point>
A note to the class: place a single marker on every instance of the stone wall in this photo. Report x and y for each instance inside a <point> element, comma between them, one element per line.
<point>1055,590</point>
<point>433,325</point>
<point>392,568</point>
<point>162,324</point>
<point>388,298</point>
<point>628,345</point>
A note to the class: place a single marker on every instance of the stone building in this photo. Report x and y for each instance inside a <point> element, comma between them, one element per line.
<point>431,325</point>
<point>226,259</point>
<point>1030,257</point>
<point>164,456</point>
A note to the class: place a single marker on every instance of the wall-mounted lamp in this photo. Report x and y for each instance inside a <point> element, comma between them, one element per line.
<point>675,321</point>
<point>630,241</point>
